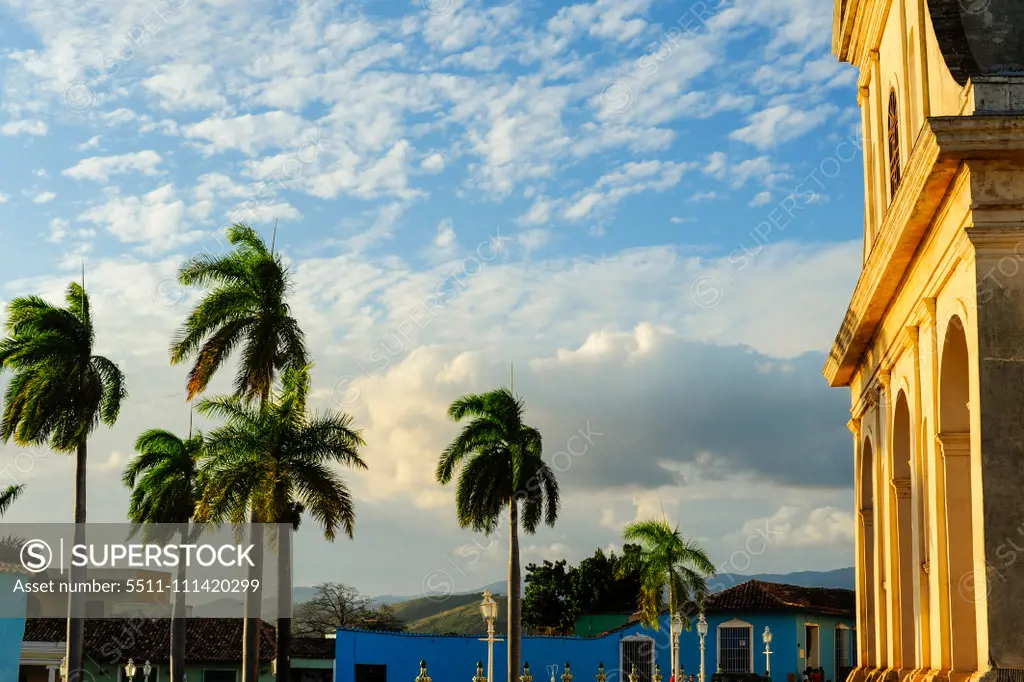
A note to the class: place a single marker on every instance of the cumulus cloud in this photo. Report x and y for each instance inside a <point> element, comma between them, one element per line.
<point>100,168</point>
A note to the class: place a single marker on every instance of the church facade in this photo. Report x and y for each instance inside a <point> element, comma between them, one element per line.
<point>932,345</point>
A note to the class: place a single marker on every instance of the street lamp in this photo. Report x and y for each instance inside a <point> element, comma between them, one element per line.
<point>767,638</point>
<point>129,670</point>
<point>489,610</point>
<point>702,630</point>
<point>677,631</point>
<point>146,670</point>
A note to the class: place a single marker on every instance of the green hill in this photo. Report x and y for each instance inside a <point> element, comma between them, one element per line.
<point>425,607</point>
<point>463,620</point>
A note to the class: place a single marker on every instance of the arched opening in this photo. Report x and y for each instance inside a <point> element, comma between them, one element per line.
<point>894,144</point>
<point>901,528</point>
<point>637,652</point>
<point>965,588</point>
<point>866,593</point>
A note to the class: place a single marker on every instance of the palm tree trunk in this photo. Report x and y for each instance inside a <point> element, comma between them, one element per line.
<point>515,626</point>
<point>284,603</point>
<point>76,624</point>
<point>252,624</point>
<point>178,619</point>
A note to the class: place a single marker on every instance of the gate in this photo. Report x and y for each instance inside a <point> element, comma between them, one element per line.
<point>637,650</point>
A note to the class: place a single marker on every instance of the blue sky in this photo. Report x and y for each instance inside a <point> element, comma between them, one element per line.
<point>675,188</point>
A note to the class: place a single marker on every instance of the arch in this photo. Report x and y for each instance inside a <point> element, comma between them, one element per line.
<point>965,587</point>
<point>895,168</point>
<point>867,591</point>
<point>902,531</point>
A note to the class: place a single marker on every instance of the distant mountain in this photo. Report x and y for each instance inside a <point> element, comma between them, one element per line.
<point>500,587</point>
<point>840,577</point>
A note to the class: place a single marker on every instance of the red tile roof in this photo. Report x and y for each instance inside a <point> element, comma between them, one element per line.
<point>755,595</point>
<point>207,640</point>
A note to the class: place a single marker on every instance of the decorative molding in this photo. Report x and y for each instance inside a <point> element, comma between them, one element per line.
<point>927,566</point>
<point>854,426</point>
<point>867,515</point>
<point>902,487</point>
<point>953,444</point>
<point>996,239</point>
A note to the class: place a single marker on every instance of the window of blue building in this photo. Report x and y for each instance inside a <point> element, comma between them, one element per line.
<point>735,654</point>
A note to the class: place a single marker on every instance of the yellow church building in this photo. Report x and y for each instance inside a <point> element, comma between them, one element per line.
<point>932,345</point>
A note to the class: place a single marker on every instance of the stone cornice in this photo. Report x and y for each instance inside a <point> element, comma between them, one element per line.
<point>954,444</point>
<point>940,148</point>
<point>867,515</point>
<point>996,240</point>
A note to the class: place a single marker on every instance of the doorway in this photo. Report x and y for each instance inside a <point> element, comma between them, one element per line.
<point>371,673</point>
<point>636,651</point>
<point>813,649</point>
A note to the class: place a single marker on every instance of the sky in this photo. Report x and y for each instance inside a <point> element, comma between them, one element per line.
<point>651,210</point>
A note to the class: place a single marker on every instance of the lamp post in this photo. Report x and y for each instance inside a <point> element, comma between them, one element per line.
<point>146,670</point>
<point>767,638</point>
<point>677,631</point>
<point>129,670</point>
<point>702,630</point>
<point>489,610</point>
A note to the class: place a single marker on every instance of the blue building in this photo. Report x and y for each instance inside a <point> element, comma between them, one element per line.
<point>811,627</point>
<point>12,620</point>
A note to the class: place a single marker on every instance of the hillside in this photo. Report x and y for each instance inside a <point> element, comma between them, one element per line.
<point>425,607</point>
<point>463,620</point>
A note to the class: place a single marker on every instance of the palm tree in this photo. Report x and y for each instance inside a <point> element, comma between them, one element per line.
<point>666,560</point>
<point>164,480</point>
<point>500,463</point>
<point>8,496</point>
<point>275,459</point>
<point>58,394</point>
<point>245,309</point>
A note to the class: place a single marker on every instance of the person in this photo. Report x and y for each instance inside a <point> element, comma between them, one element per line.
<point>815,676</point>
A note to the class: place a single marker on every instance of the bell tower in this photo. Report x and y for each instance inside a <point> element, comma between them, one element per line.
<point>932,344</point>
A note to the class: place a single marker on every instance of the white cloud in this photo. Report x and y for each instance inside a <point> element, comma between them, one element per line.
<point>631,178</point>
<point>92,143</point>
<point>445,238</point>
<point>4,198</point>
<point>782,123</point>
<point>25,127</point>
<point>704,196</point>
<point>250,133</point>
<point>155,221</point>
<point>43,198</point>
<point>761,199</point>
<point>185,86</point>
<point>800,526</point>
<point>100,168</point>
<point>433,163</point>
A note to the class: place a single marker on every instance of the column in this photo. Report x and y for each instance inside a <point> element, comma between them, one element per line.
<point>51,673</point>
<point>966,587</point>
<point>870,225</point>
<point>883,595</point>
<point>904,569</point>
<point>919,508</point>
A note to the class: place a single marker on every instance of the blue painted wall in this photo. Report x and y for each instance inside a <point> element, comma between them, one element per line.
<point>453,659</point>
<point>11,629</point>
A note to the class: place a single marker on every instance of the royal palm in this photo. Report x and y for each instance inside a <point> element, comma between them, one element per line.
<point>58,393</point>
<point>245,309</point>
<point>278,461</point>
<point>666,560</point>
<point>165,488</point>
<point>8,496</point>
<point>498,458</point>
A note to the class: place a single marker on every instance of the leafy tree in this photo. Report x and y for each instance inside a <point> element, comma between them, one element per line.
<point>245,309</point>
<point>8,496</point>
<point>165,488</point>
<point>335,605</point>
<point>667,560</point>
<point>499,458</point>
<point>548,592</point>
<point>276,460</point>
<point>58,394</point>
